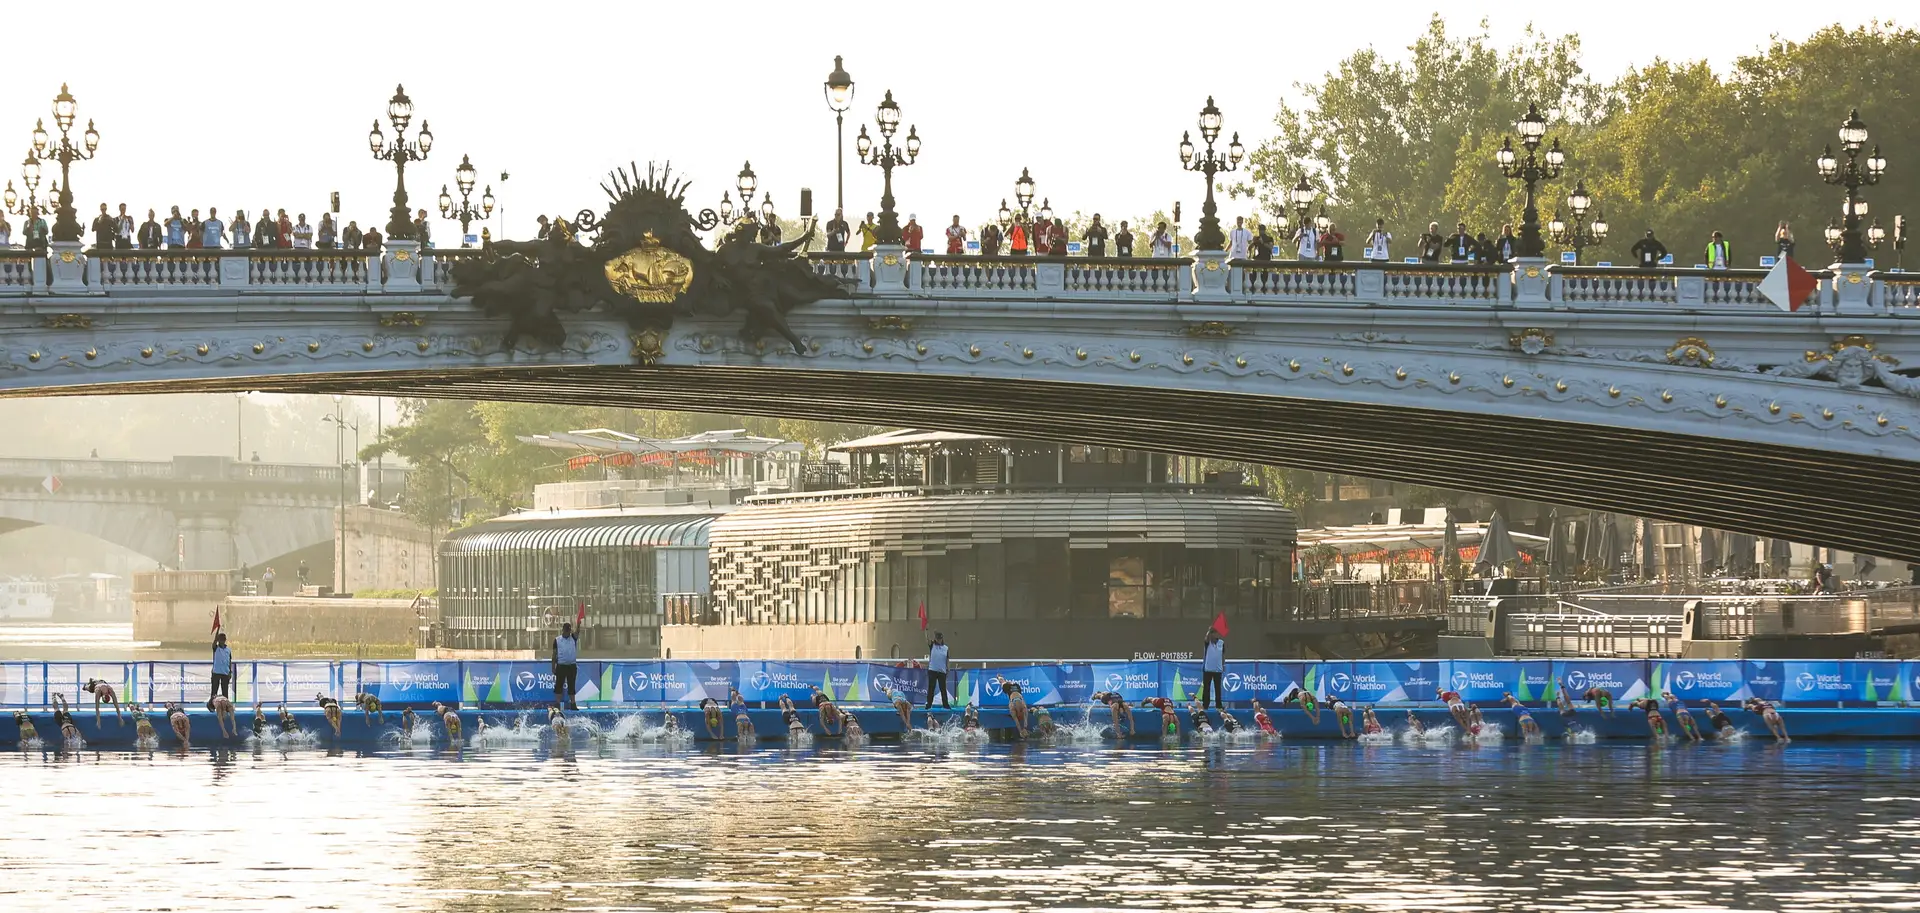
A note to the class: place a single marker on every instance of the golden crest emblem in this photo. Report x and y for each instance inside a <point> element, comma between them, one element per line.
<point>650,272</point>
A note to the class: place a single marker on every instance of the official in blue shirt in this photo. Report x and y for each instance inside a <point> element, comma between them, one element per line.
<point>222,669</point>
<point>937,670</point>
<point>1210,671</point>
<point>566,666</point>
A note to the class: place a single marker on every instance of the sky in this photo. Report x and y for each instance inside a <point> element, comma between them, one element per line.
<point>244,106</point>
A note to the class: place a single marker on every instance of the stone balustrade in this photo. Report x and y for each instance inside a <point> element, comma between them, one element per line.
<point>404,269</point>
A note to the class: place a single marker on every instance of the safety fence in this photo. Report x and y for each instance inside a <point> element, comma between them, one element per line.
<point>475,683</point>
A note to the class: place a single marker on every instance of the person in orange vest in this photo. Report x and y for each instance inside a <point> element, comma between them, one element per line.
<point>1017,239</point>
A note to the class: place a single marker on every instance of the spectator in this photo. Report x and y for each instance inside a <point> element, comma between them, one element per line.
<point>1506,247</point>
<point>1649,251</point>
<point>241,231</point>
<point>989,240</point>
<point>266,233</point>
<point>1378,241</point>
<point>283,230</point>
<point>6,232</point>
<point>912,235</point>
<point>1238,239</point>
<point>1483,248</point>
<point>150,234</point>
<point>1460,247</point>
<point>1263,245</point>
<point>266,582</point>
<point>1018,239</point>
<point>770,232</point>
<point>1161,245</point>
<point>1040,237</point>
<point>869,233</point>
<point>1332,244</point>
<point>1307,241</point>
<point>105,226</point>
<point>194,238</point>
<point>301,572</point>
<point>327,231</point>
<point>351,238</point>
<point>303,234</point>
<point>176,230</point>
<point>213,231</point>
<point>222,667</point>
<point>956,237</point>
<point>35,233</point>
<point>373,241</point>
<point>1096,238</point>
<point>837,231</point>
<point>546,228</point>
<point>1719,253</point>
<point>1123,241</point>
<point>1057,239</point>
<point>937,670</point>
<point>1431,243</point>
<point>1783,242</point>
<point>123,238</point>
<point>422,229</point>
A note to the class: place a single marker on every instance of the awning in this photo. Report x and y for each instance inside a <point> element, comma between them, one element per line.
<point>495,537</point>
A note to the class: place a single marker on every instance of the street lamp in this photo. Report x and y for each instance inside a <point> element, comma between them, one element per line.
<point>400,152</point>
<point>30,175</point>
<point>1301,196</point>
<point>888,157</point>
<point>465,213</point>
<point>1853,136</point>
<point>1579,234</point>
<point>839,92</point>
<point>341,426</point>
<point>1210,163</point>
<point>65,226</point>
<point>1532,169</point>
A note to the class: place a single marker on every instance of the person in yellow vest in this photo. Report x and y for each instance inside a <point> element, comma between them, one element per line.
<point>1719,255</point>
<point>868,233</point>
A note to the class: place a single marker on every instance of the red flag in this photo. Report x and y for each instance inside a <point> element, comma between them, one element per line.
<point>1220,624</point>
<point>216,620</point>
<point>580,617</point>
<point>923,616</point>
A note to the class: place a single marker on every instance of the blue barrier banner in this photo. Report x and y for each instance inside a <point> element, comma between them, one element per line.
<point>484,682</point>
<point>1181,680</point>
<point>763,681</point>
<point>489,682</point>
<point>410,683</point>
<point>1882,680</point>
<point>1391,682</point>
<point>1487,681</point>
<point>909,681</point>
<point>1133,681</point>
<point>1075,683</point>
<point>1910,678</point>
<point>1038,685</point>
<point>1626,678</point>
<point>1259,681</point>
<point>690,682</point>
<point>1327,680</point>
<point>1696,680</point>
<point>635,683</point>
<point>1763,679</point>
<point>1830,680</point>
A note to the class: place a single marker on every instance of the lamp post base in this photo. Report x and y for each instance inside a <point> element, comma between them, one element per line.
<point>1530,282</point>
<point>66,267</point>
<point>401,265</point>
<point>889,268</point>
<point>1851,289</point>
<point>1210,275</point>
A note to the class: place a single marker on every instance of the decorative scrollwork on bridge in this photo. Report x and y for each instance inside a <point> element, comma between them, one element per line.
<point>1850,362</point>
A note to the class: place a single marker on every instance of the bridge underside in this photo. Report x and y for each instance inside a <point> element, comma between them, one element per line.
<point>1853,502</point>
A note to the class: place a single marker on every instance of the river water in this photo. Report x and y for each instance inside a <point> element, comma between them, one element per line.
<point>1259,827</point>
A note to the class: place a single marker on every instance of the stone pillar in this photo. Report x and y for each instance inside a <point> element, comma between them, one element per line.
<point>1210,275</point>
<point>1530,282</point>
<point>1851,289</point>
<point>68,268</point>
<point>889,268</point>
<point>1050,276</point>
<point>1370,284</point>
<point>402,265</point>
<point>236,270</point>
<point>206,542</point>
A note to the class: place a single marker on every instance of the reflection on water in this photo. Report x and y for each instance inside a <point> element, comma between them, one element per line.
<point>1319,827</point>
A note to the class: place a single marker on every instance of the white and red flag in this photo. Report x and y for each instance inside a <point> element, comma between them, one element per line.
<point>1787,285</point>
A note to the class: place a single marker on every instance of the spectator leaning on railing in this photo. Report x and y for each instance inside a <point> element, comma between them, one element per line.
<point>241,231</point>
<point>351,238</point>
<point>123,234</point>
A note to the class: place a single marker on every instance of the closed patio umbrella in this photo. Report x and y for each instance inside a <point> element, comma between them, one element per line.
<point>1450,548</point>
<point>1649,550</point>
<point>1558,550</point>
<point>1779,557</point>
<point>1496,546</point>
<point>1607,548</point>
<point>1740,562</point>
<point>1710,545</point>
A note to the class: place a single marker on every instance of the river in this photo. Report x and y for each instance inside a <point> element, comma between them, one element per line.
<point>1005,827</point>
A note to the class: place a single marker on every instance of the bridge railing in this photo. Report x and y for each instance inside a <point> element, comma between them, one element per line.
<point>292,473</point>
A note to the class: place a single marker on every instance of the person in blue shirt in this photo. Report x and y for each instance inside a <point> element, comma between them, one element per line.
<point>212,231</point>
<point>222,668</point>
<point>1211,671</point>
<point>176,230</point>
<point>937,670</point>
<point>566,666</point>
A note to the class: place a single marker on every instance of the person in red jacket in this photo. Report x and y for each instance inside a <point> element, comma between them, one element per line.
<point>913,234</point>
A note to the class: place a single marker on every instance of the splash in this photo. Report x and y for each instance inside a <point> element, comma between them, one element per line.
<point>33,744</point>
<point>284,741</point>
<point>1434,735</point>
<point>1581,736</point>
<point>1383,737</point>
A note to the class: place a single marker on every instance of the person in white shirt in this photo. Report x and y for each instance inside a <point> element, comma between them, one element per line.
<point>1309,241</point>
<point>1238,239</point>
<point>1377,242</point>
<point>1162,242</point>
<point>302,234</point>
<point>125,239</point>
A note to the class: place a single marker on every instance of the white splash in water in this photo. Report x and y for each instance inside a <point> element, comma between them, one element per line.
<point>1432,735</point>
<point>1581,736</point>
<point>1383,737</point>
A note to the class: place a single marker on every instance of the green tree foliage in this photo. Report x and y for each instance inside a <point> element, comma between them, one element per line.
<point>1677,147</point>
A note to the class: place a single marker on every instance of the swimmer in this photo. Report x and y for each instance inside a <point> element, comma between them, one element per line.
<point>369,707</point>
<point>288,725</point>
<point>671,724</point>
<point>450,718</point>
<point>408,720</point>
<point>742,723</point>
<point>557,722</point>
<point>1016,706</point>
<point>1198,719</point>
<point>1602,700</point>
<point>1169,719</point>
<point>1122,715</point>
<point>904,707</point>
<point>1683,716</point>
<point>1043,723</point>
<point>1474,717</point>
<point>1369,724</point>
<point>1342,714</point>
<point>790,716</point>
<point>1717,718</point>
<point>103,694</point>
<point>1521,715</point>
<point>259,721</point>
<point>1456,707</point>
<point>710,711</point>
<point>1414,725</point>
<point>1656,724</point>
<point>222,709</point>
<point>853,730</point>
<point>1228,724</point>
<point>182,728</point>
<point>64,722</point>
<point>1770,716</point>
<point>970,719</point>
<point>832,721</point>
<point>331,708</point>
<point>25,722</point>
<point>1306,701</point>
<point>1262,720</point>
<point>142,727</point>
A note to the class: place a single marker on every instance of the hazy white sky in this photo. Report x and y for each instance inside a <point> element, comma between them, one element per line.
<point>251,105</point>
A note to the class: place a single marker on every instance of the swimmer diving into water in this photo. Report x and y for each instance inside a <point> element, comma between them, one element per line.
<point>710,710</point>
<point>1717,718</point>
<point>1521,715</point>
<point>1683,716</point>
<point>1342,714</point>
<point>1369,724</point>
<point>1307,704</point>
<point>742,723</point>
<point>1770,716</point>
<point>1262,720</point>
<point>1656,724</point>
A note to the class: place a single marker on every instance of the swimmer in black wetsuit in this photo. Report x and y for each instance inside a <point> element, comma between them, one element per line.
<point>1198,719</point>
<point>288,724</point>
<point>791,716</point>
<point>1717,718</point>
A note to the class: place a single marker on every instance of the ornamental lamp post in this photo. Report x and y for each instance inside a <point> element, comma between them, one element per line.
<point>65,226</point>
<point>1210,163</point>
<point>1852,247</point>
<point>1531,170</point>
<point>1579,234</point>
<point>1301,196</point>
<point>1833,235</point>
<point>30,176</point>
<point>839,92</point>
<point>887,157</point>
<point>400,152</point>
<point>464,213</point>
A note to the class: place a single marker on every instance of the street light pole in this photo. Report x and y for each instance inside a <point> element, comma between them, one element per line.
<point>65,226</point>
<point>1210,163</point>
<point>30,176</point>
<point>340,427</point>
<point>1853,136</point>
<point>400,113</point>
<point>1531,170</point>
<point>888,157</point>
<point>465,214</point>
<point>1578,234</point>
<point>839,91</point>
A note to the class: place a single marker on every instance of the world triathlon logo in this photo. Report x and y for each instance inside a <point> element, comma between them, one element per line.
<point>1230,681</point>
<point>525,680</point>
<point>761,680</point>
<point>1576,681</point>
<point>1805,680</point>
<point>1683,680</point>
<point>1461,681</point>
<point>1338,682</point>
<point>1115,681</point>
<point>881,681</point>
<point>637,681</point>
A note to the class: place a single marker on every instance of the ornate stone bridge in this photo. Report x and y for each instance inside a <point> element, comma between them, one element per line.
<point>1680,394</point>
<point>195,512</point>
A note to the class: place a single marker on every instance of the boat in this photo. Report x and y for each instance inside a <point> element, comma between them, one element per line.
<point>25,599</point>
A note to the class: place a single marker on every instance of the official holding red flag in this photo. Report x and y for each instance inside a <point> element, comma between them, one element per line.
<point>1213,670</point>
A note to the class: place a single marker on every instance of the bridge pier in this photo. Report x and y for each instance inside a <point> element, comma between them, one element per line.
<point>207,542</point>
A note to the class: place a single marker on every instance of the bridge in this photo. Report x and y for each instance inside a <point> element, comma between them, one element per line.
<point>195,512</point>
<point>1681,394</point>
